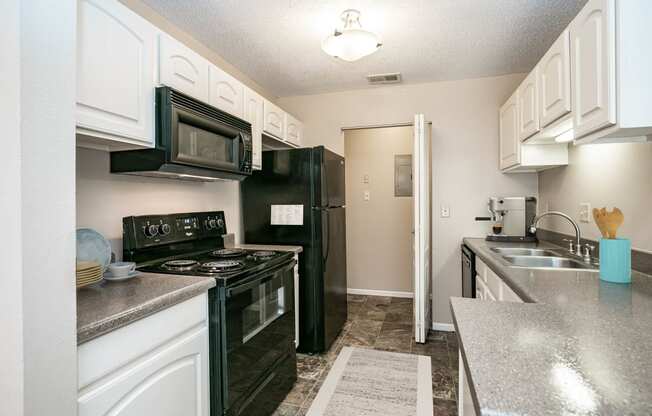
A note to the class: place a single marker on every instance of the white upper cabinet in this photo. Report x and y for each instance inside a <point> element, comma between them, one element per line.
<point>509,142</point>
<point>593,71</point>
<point>611,71</point>
<point>528,106</point>
<point>293,130</point>
<point>554,81</point>
<point>253,113</point>
<point>225,92</point>
<point>274,123</point>
<point>116,52</point>
<point>524,157</point>
<point>182,69</point>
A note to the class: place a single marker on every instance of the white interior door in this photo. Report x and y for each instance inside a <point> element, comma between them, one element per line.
<point>421,177</point>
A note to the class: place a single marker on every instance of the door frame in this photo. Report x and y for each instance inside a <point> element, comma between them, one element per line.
<point>422,200</point>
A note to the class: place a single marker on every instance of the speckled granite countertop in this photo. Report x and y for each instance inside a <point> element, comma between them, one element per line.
<point>583,347</point>
<point>107,306</point>
<point>295,249</point>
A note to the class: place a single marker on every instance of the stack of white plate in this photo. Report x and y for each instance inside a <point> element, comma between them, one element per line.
<point>93,256</point>
<point>88,272</point>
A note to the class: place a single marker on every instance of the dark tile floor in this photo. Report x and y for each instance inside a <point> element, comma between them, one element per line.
<point>381,323</point>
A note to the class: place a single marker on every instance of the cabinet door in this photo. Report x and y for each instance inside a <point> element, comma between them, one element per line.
<point>593,74</point>
<point>528,106</point>
<point>225,92</point>
<point>554,81</point>
<point>293,130</point>
<point>510,150</point>
<point>173,381</point>
<point>253,113</point>
<point>115,72</point>
<point>182,69</point>
<point>274,123</point>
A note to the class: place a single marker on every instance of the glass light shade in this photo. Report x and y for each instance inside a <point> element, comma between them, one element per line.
<point>352,42</point>
<point>351,45</point>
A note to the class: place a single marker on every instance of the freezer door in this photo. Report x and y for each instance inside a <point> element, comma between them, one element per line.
<point>329,178</point>
<point>333,261</point>
<point>284,180</point>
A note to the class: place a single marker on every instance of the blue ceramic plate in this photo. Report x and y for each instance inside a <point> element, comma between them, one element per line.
<point>92,246</point>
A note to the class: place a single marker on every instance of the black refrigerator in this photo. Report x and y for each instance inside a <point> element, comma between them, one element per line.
<point>298,199</point>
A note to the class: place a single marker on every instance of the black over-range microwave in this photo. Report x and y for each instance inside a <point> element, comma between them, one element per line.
<point>194,141</point>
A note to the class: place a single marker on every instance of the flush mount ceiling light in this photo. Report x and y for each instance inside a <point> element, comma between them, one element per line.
<point>352,42</point>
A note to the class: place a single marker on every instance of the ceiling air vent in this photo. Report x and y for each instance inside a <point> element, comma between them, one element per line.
<point>392,78</point>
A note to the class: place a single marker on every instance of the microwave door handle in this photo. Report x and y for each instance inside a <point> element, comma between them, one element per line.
<point>241,150</point>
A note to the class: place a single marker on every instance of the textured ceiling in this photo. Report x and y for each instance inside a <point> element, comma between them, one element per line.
<point>277,42</point>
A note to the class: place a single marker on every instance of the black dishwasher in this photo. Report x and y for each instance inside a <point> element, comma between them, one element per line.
<point>468,272</point>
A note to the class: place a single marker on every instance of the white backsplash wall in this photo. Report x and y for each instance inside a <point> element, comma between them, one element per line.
<point>103,198</point>
<point>603,175</point>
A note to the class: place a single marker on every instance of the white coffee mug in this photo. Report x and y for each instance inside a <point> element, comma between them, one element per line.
<point>122,268</point>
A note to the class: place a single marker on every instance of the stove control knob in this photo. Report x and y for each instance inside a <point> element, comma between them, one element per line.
<point>212,224</point>
<point>151,230</point>
<point>220,223</point>
<point>164,229</point>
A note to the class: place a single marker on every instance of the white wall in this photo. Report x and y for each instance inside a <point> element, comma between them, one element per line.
<point>386,264</point>
<point>11,280</point>
<point>104,198</point>
<point>47,175</point>
<point>603,175</point>
<point>465,154</point>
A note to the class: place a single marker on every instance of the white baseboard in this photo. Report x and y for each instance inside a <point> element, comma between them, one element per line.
<point>438,326</point>
<point>371,292</point>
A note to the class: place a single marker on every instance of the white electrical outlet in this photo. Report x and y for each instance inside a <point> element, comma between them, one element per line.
<point>445,211</point>
<point>365,179</point>
<point>367,196</point>
<point>585,212</point>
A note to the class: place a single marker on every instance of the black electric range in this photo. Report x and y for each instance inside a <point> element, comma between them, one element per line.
<point>252,324</point>
<point>225,264</point>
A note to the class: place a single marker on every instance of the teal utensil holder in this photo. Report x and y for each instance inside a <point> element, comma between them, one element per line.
<point>616,260</point>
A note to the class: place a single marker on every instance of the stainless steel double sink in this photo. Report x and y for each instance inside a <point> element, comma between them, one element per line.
<point>538,258</point>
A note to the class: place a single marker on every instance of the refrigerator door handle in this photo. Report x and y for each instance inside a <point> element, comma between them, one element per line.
<point>325,237</point>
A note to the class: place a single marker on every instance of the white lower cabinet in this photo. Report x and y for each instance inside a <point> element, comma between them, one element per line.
<point>488,286</point>
<point>155,366</point>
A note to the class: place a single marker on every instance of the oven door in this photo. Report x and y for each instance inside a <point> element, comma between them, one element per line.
<point>200,141</point>
<point>259,323</point>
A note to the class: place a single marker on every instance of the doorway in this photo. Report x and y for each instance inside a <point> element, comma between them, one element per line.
<point>380,209</point>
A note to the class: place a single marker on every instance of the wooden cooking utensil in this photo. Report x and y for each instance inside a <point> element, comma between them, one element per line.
<point>598,217</point>
<point>608,222</point>
<point>614,220</point>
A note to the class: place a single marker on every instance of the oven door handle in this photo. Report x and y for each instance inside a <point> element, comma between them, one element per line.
<point>259,281</point>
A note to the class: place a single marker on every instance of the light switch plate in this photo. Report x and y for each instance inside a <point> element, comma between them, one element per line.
<point>365,179</point>
<point>585,212</point>
<point>445,211</point>
<point>367,196</point>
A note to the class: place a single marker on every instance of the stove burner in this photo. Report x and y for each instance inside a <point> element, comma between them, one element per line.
<point>263,255</point>
<point>180,264</point>
<point>222,266</point>
<point>228,252</point>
